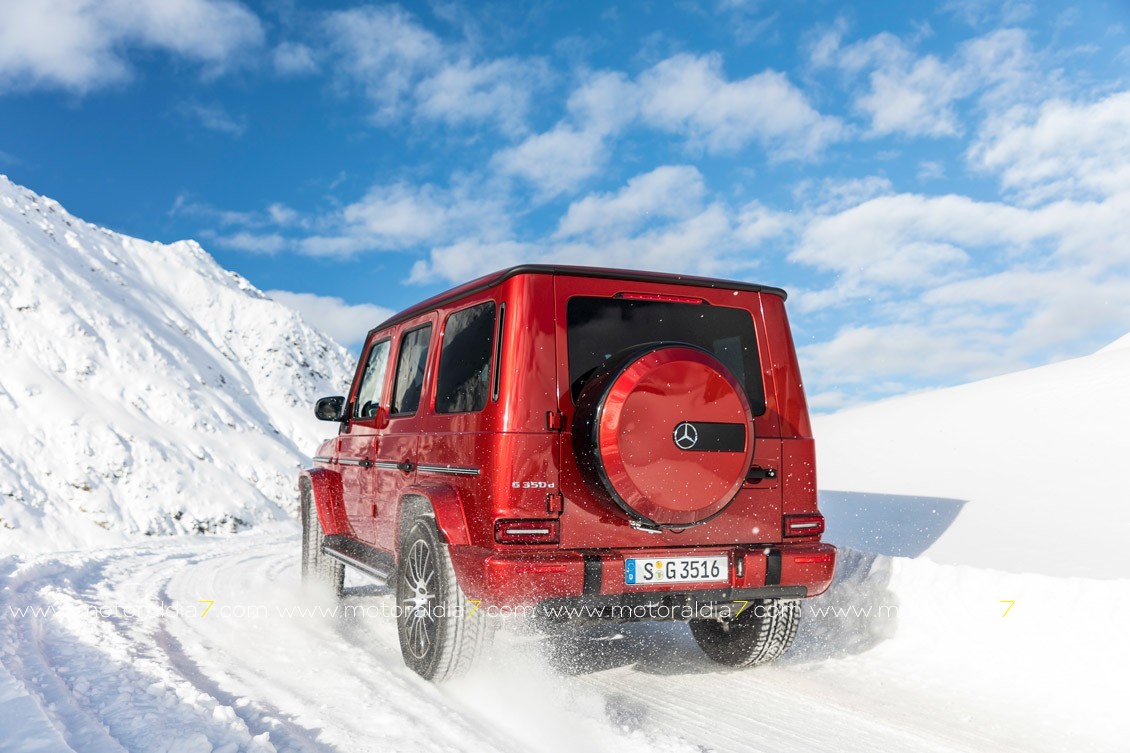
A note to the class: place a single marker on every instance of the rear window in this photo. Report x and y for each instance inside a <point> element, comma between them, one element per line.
<point>599,328</point>
<point>410,371</point>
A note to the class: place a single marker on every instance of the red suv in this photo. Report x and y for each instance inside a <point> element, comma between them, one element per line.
<point>583,444</point>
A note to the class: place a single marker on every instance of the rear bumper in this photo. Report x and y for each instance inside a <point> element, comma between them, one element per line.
<point>529,577</point>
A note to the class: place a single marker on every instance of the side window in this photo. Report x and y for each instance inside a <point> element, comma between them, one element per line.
<point>369,393</point>
<point>464,360</point>
<point>410,371</point>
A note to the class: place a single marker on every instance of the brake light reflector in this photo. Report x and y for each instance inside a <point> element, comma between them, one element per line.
<point>526,531</point>
<point>804,525</point>
<point>659,297</point>
<point>811,559</point>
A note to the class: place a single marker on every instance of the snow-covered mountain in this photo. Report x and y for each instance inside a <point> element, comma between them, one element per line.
<point>144,389</point>
<point>1024,472</point>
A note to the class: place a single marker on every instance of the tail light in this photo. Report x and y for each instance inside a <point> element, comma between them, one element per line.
<point>659,297</point>
<point>804,525</point>
<point>526,531</point>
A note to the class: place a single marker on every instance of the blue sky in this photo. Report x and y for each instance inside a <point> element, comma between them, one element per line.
<point>944,188</point>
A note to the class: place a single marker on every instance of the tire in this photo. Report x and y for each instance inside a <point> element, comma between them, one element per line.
<point>317,568</point>
<point>760,634</point>
<point>440,638</point>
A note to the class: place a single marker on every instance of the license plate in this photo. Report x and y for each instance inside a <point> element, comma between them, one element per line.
<point>646,570</point>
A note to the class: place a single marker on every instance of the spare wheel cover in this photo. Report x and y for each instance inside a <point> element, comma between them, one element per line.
<point>671,434</point>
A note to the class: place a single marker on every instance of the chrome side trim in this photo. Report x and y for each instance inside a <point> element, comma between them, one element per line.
<point>387,465</point>
<point>453,470</point>
<point>355,461</point>
<point>373,572</point>
<point>321,459</point>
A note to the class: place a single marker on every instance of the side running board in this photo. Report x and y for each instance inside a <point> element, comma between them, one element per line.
<point>378,565</point>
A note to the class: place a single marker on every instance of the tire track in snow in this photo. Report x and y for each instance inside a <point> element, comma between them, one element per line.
<point>104,688</point>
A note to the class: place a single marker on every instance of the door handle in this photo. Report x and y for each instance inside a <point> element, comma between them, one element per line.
<point>405,466</point>
<point>757,473</point>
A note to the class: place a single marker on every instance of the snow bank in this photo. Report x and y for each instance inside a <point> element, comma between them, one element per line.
<point>145,389</point>
<point>1021,473</point>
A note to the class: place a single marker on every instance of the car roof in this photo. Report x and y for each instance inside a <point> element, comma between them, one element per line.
<point>632,275</point>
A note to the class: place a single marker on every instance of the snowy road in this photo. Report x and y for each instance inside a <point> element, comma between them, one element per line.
<point>111,650</point>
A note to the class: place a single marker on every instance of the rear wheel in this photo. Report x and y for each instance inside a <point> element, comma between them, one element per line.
<point>758,635</point>
<point>441,633</point>
<point>317,568</point>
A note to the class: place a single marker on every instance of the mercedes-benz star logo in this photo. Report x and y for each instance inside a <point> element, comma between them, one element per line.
<point>686,436</point>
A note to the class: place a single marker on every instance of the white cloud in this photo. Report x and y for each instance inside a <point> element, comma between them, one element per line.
<point>282,215</point>
<point>384,49</point>
<point>344,322</point>
<point>704,243</point>
<point>561,159</point>
<point>859,353</point>
<point>691,95</point>
<point>555,161</point>
<point>666,192</point>
<point>258,243</point>
<point>980,12</point>
<point>907,239</point>
<point>82,46</point>
<point>466,260</point>
<point>903,240</point>
<point>212,116</point>
<point>917,95</point>
<point>1059,148</point>
<point>294,59</point>
<point>831,195</point>
<point>757,224</point>
<point>913,97</point>
<point>604,102</point>
<point>400,216</point>
<point>683,94</point>
<point>931,170</point>
<point>406,70</point>
<point>948,288</point>
<point>393,217</point>
<point>463,92</point>
<point>185,205</point>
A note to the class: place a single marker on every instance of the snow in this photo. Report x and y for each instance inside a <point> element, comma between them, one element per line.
<point>922,658</point>
<point>146,390</point>
<point>979,604</point>
<point>1023,472</point>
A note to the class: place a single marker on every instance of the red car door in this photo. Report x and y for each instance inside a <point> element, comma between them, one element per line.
<point>394,466</point>
<point>358,442</point>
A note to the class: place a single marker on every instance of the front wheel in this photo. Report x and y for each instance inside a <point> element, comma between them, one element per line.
<point>317,568</point>
<point>759,634</point>
<point>441,636</point>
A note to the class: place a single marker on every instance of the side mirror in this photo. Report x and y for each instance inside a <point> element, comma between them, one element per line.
<point>330,408</point>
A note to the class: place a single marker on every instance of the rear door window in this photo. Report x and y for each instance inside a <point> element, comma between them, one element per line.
<point>410,364</point>
<point>464,360</point>
<point>599,328</point>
